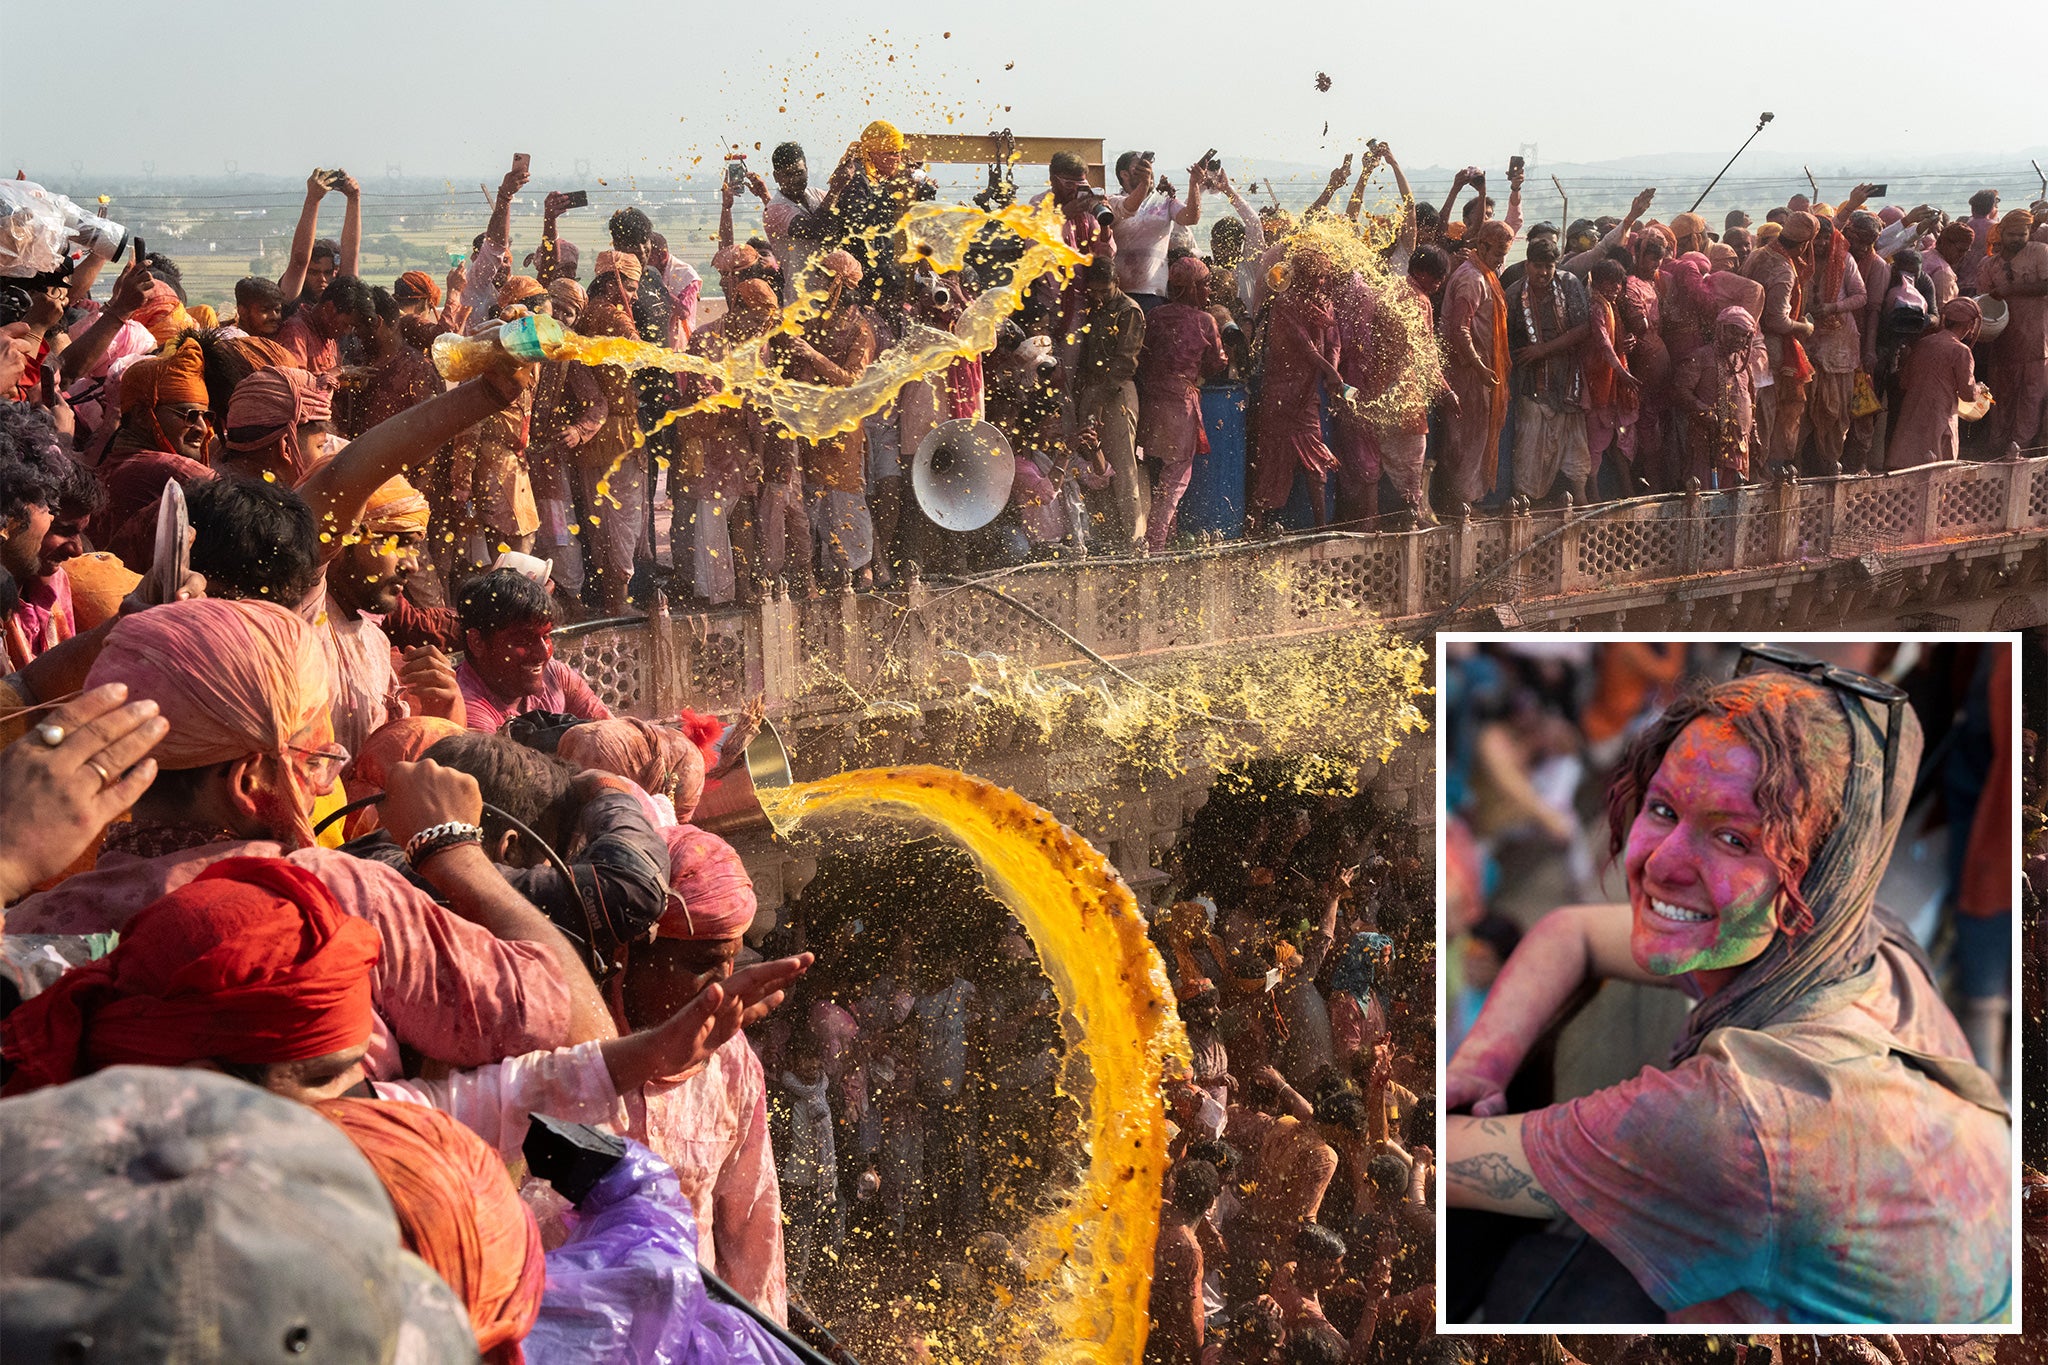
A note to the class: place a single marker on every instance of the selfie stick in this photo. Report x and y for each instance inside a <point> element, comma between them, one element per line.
<point>1761,120</point>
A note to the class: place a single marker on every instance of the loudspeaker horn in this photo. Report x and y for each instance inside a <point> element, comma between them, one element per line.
<point>962,474</point>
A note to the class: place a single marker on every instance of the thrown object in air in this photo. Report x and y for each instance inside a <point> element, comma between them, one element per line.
<point>539,570</point>
<point>733,804</point>
<point>1996,316</point>
<point>962,474</point>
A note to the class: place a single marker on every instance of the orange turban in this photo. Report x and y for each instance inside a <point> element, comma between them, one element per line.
<point>754,296</point>
<point>661,758</point>
<point>2019,222</point>
<point>203,316</point>
<point>251,962</point>
<point>396,509</point>
<point>179,377</point>
<point>625,265</point>
<point>879,138</point>
<point>1687,225</point>
<point>162,313</point>
<point>567,294</point>
<point>270,403</point>
<point>233,678</point>
<point>1799,227</point>
<point>841,266</point>
<point>715,893</point>
<point>457,1211</point>
<point>98,583</point>
<point>1721,255</point>
<point>243,356</point>
<point>414,286</point>
<point>519,289</point>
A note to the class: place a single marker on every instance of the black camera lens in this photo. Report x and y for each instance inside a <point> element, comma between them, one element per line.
<point>1105,217</point>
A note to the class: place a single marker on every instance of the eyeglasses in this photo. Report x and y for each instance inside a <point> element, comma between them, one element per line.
<point>187,412</point>
<point>321,766</point>
<point>1861,685</point>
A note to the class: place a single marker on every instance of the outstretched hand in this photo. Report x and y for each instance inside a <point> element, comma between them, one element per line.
<point>683,1045</point>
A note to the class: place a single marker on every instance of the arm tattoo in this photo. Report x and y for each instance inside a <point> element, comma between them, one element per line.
<point>1492,1174</point>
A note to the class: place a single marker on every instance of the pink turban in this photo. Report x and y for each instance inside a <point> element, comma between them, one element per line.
<point>841,266</point>
<point>1889,214</point>
<point>233,678</point>
<point>1736,317</point>
<point>270,403</point>
<point>1961,312</point>
<point>716,895</point>
<point>754,296</point>
<point>1187,281</point>
<point>660,758</point>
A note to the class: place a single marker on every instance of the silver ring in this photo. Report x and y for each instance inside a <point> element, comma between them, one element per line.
<point>106,778</point>
<point>49,734</point>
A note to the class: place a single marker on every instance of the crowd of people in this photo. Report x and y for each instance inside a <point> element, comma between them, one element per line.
<point>297,794</point>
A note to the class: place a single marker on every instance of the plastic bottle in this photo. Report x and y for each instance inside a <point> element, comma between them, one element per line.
<point>530,339</point>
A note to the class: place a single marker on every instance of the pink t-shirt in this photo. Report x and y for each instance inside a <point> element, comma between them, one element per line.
<point>1800,1173</point>
<point>562,690</point>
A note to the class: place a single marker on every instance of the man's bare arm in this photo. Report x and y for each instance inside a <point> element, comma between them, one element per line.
<point>1487,1168</point>
<point>294,278</point>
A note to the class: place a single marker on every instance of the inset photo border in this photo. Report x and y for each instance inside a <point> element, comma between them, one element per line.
<point>1727,951</point>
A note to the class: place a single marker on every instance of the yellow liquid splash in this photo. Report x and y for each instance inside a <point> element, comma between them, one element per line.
<point>1090,1259</point>
<point>937,234</point>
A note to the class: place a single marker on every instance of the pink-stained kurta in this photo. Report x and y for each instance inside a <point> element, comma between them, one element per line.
<point>361,681</point>
<point>497,1102</point>
<point>562,689</point>
<point>1938,373</point>
<point>1290,428</point>
<point>1798,1173</point>
<point>713,1128</point>
<point>1471,439</point>
<point>449,989</point>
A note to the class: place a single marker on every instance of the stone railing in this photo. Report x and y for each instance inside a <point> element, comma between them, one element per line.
<point>847,651</point>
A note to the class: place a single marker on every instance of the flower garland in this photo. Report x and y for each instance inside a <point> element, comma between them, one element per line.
<point>1529,321</point>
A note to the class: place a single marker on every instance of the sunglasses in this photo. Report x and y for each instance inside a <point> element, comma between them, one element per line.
<point>1860,685</point>
<point>187,412</point>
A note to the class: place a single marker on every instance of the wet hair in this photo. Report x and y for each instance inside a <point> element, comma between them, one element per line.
<point>786,155</point>
<point>253,539</point>
<point>492,601</point>
<point>1312,1343</point>
<point>1227,235</point>
<point>326,248</point>
<point>1100,270</point>
<point>350,295</point>
<point>1193,1187</point>
<point>1124,163</point>
<point>630,228</point>
<point>1431,260</point>
<point>1340,1106</point>
<point>255,289</point>
<point>1314,1242</point>
<point>35,471</point>
<point>1217,1153</point>
<point>1543,251</point>
<point>166,269</point>
<point>1066,163</point>
<point>530,787</point>
<point>1609,271</point>
<point>1983,201</point>
<point>1908,261</point>
<point>1388,1173</point>
<point>386,304</point>
<point>1800,736</point>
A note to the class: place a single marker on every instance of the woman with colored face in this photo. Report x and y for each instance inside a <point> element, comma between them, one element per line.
<point>1820,1147</point>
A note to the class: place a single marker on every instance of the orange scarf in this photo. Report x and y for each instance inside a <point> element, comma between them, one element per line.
<point>1498,418</point>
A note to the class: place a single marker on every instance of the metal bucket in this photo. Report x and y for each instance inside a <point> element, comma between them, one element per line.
<point>734,805</point>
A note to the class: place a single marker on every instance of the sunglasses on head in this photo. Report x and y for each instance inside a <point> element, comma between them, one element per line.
<point>1860,685</point>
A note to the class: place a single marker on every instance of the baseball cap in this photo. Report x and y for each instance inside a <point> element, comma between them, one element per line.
<point>178,1215</point>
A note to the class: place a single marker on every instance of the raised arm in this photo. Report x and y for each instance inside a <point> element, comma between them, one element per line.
<point>90,346</point>
<point>1191,212</point>
<point>340,490</point>
<point>294,278</point>
<point>1565,949</point>
<point>1254,230</point>
<point>1458,182</point>
<point>351,225</point>
<point>1405,239</point>
<point>1330,188</point>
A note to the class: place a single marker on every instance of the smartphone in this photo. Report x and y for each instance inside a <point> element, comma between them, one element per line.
<point>736,172</point>
<point>579,199</point>
<point>522,162</point>
<point>1880,190</point>
<point>140,251</point>
<point>1515,164</point>
<point>333,178</point>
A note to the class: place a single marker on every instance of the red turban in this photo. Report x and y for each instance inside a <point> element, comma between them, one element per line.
<point>457,1211</point>
<point>250,962</point>
<point>717,895</point>
<point>661,758</point>
<point>416,286</point>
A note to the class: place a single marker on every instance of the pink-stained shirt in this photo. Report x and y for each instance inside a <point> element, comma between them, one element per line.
<point>1836,346</point>
<point>1981,227</point>
<point>447,988</point>
<point>562,689</point>
<point>361,681</point>
<point>44,619</point>
<point>713,1128</point>
<point>310,350</point>
<point>1800,1173</point>
<point>497,1102</point>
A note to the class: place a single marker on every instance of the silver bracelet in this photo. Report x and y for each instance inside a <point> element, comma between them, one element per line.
<point>440,838</point>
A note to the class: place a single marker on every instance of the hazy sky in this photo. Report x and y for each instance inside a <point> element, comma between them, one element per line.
<point>440,88</point>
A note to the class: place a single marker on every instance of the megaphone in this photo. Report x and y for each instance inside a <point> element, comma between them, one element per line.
<point>734,805</point>
<point>962,474</point>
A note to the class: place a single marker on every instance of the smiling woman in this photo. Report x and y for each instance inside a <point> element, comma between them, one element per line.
<point>1821,1149</point>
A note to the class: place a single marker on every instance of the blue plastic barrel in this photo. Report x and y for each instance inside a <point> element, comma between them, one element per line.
<point>1215,496</point>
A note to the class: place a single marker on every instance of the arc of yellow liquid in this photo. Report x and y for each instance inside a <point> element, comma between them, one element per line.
<point>1093,1256</point>
<point>940,234</point>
